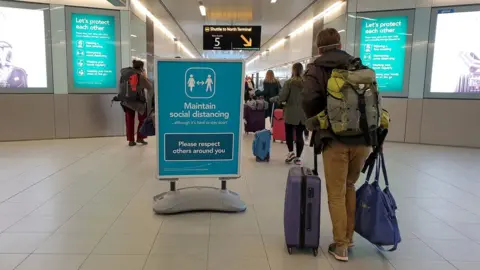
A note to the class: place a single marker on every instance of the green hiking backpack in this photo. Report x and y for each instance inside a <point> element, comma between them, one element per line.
<point>353,103</point>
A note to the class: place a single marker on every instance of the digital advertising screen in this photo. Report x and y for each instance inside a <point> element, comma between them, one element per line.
<point>383,47</point>
<point>456,55</point>
<point>94,55</point>
<point>23,58</point>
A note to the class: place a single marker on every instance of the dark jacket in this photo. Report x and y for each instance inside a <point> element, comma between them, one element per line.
<point>315,92</point>
<point>291,94</point>
<point>271,89</point>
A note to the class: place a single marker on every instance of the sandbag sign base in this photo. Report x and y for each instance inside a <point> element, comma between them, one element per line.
<point>195,199</point>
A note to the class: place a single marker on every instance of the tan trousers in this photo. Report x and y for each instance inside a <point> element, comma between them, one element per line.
<point>343,165</point>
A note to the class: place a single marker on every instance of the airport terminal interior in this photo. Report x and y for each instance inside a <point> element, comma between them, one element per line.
<point>79,190</point>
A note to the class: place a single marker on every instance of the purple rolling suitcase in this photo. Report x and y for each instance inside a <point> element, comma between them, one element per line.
<point>255,119</point>
<point>302,210</point>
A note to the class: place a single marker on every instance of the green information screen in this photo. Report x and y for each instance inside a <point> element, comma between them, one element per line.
<point>93,51</point>
<point>383,47</point>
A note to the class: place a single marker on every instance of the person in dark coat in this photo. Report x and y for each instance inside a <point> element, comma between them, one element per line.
<point>271,88</point>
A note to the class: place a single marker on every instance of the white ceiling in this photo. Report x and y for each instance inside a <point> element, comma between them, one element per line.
<point>272,18</point>
<point>79,3</point>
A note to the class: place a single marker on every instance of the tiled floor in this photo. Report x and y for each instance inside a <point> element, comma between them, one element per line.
<point>86,204</point>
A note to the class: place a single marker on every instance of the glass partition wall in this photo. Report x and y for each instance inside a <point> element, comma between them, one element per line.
<point>453,65</point>
<point>25,48</point>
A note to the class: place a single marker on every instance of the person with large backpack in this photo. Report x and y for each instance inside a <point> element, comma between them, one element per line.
<point>342,103</point>
<point>134,95</point>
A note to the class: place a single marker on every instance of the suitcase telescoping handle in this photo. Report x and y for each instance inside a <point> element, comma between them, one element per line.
<point>273,110</point>
<point>308,214</point>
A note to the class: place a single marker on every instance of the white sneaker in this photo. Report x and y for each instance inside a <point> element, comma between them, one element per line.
<point>290,158</point>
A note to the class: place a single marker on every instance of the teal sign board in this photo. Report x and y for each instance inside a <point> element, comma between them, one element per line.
<point>383,48</point>
<point>199,122</point>
<point>94,57</point>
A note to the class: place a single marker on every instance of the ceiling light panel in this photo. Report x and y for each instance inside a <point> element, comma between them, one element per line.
<point>203,10</point>
<point>142,9</point>
<point>334,7</point>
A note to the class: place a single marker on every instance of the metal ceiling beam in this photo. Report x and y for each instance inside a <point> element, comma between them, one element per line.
<point>179,26</point>
<point>118,3</point>
<point>285,26</point>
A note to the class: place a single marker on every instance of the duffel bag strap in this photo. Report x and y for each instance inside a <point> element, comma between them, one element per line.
<point>396,237</point>
<point>384,169</point>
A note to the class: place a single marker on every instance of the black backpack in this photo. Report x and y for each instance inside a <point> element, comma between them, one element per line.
<point>129,90</point>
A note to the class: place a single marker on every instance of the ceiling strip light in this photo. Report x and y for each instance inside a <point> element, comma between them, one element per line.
<point>186,50</point>
<point>310,22</point>
<point>253,60</point>
<point>302,28</point>
<point>203,10</point>
<point>156,22</point>
<point>278,44</point>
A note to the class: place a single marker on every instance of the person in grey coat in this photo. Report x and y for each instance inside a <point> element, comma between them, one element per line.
<point>294,115</point>
<point>140,107</point>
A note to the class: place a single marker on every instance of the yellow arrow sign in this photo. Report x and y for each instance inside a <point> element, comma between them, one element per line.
<point>248,42</point>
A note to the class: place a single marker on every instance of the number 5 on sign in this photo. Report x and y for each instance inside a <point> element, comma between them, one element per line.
<point>217,42</point>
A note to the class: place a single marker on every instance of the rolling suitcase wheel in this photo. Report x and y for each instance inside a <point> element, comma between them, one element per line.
<point>290,250</point>
<point>315,252</point>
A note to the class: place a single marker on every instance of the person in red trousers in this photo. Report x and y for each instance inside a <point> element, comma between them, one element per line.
<point>140,107</point>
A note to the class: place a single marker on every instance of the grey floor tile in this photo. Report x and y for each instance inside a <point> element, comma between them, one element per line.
<point>38,224</point>
<point>70,243</point>
<point>160,262</point>
<point>299,262</point>
<point>187,245</point>
<point>218,263</point>
<point>186,224</point>
<point>421,265</point>
<point>457,250</point>
<point>17,209</point>
<point>117,262</point>
<point>431,231</point>
<point>21,242</point>
<point>89,205</point>
<point>413,250</point>
<point>125,244</point>
<point>362,264</point>
<point>467,265</point>
<point>11,261</point>
<point>245,246</point>
<point>52,262</point>
<point>470,230</point>
<point>240,223</point>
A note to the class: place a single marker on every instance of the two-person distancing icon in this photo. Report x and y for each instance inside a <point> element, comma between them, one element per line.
<point>200,82</point>
<point>192,83</point>
<point>209,83</point>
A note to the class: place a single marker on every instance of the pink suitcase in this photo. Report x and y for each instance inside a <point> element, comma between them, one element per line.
<point>278,130</point>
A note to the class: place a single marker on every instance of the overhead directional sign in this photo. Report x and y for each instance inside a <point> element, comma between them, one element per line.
<point>228,37</point>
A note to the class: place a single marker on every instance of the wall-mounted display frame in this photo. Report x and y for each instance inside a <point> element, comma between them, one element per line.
<point>384,42</point>
<point>25,48</point>
<point>93,50</point>
<point>453,61</point>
